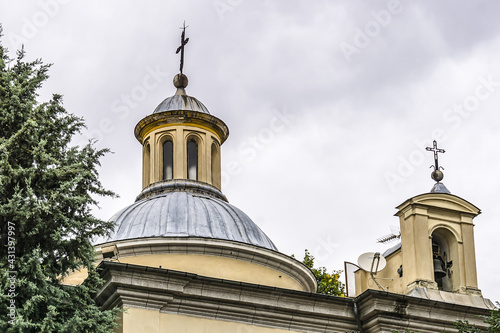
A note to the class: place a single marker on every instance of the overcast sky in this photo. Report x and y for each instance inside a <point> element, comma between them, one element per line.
<point>330,104</point>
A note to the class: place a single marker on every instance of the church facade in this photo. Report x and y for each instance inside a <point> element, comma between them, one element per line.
<point>183,259</point>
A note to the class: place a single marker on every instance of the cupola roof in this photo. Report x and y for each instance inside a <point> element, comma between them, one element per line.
<point>181,101</point>
<point>185,208</point>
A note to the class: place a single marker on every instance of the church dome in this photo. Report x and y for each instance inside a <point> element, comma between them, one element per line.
<point>184,208</point>
<point>181,102</point>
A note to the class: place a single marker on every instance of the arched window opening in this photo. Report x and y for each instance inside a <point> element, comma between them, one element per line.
<point>192,160</point>
<point>215,165</point>
<point>146,165</point>
<point>442,256</point>
<point>168,160</point>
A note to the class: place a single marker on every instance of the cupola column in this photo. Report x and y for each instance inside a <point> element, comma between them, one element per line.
<point>179,163</point>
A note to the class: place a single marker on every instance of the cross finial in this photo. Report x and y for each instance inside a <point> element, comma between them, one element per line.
<point>184,41</point>
<point>437,175</point>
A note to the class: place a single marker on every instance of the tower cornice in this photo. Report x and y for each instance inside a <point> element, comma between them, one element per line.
<point>444,201</point>
<point>181,117</point>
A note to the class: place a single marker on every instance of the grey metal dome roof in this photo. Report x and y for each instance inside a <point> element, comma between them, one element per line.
<point>188,211</point>
<point>181,102</point>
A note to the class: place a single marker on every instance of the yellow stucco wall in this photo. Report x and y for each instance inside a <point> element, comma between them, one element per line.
<point>152,321</point>
<point>211,266</point>
<point>218,267</point>
<point>75,278</point>
<point>417,248</point>
<point>179,134</point>
<point>141,320</point>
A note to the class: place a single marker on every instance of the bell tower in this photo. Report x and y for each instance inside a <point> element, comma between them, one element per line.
<point>437,239</point>
<point>435,258</point>
<point>437,243</point>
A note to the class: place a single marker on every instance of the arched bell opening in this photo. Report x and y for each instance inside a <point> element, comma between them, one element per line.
<point>445,259</point>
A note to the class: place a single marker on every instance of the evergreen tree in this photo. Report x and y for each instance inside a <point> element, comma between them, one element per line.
<point>47,190</point>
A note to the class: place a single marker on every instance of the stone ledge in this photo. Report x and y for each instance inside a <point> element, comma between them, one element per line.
<point>198,296</point>
<point>221,248</point>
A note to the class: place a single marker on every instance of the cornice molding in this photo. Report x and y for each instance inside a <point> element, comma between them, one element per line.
<point>220,248</point>
<point>192,295</point>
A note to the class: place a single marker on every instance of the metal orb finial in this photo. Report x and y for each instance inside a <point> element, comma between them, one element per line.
<point>437,175</point>
<point>180,81</point>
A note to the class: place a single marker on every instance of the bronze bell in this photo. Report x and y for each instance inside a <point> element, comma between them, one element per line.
<point>439,273</point>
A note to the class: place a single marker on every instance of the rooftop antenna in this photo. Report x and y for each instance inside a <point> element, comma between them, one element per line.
<point>395,234</point>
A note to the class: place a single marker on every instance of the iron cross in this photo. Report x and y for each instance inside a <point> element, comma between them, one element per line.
<point>436,151</point>
<point>184,41</point>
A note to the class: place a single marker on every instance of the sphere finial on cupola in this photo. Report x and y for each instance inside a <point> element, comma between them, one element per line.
<point>437,174</point>
<point>180,82</point>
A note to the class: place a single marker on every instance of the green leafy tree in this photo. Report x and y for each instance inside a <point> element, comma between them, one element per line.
<point>493,320</point>
<point>463,326</point>
<point>328,283</point>
<point>47,191</point>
